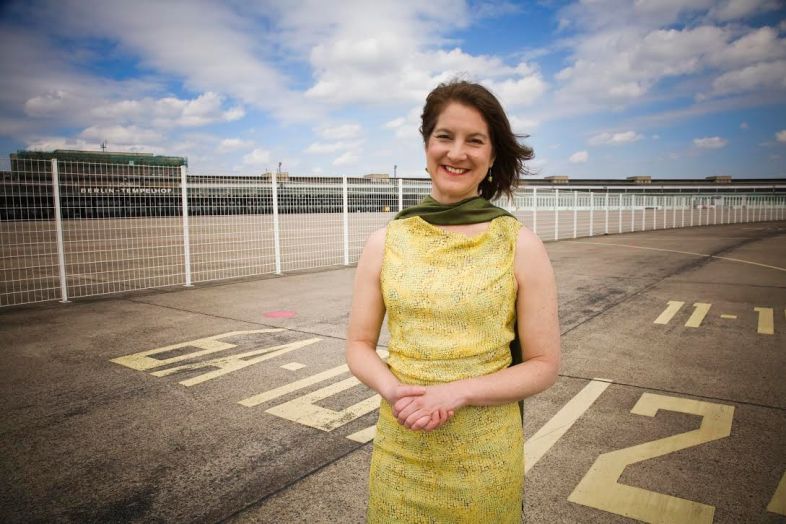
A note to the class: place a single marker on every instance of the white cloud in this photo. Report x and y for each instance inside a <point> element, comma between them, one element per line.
<point>728,10</point>
<point>395,123</point>
<point>760,45</point>
<point>257,157</point>
<point>522,125</point>
<point>212,47</point>
<point>233,144</point>
<point>340,132</point>
<point>624,137</point>
<point>780,136</point>
<point>712,142</point>
<point>348,158</point>
<point>169,111</point>
<point>579,157</point>
<point>758,77</point>
<point>121,135</point>
<point>318,148</point>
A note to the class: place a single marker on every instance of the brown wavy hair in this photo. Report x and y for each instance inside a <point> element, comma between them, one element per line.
<point>509,153</point>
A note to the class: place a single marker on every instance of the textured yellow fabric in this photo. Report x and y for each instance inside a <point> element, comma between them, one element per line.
<point>450,302</point>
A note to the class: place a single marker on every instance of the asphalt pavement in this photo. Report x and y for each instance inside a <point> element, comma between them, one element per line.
<point>231,402</point>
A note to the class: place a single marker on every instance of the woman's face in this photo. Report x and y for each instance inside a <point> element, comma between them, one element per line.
<point>458,153</point>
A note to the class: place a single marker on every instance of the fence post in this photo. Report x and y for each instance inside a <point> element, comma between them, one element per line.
<point>276,230</point>
<point>592,214</point>
<point>747,208</point>
<point>535,210</point>
<point>633,212</point>
<point>606,206</point>
<point>186,235</point>
<point>556,214</point>
<point>575,211</point>
<point>59,233</point>
<point>345,213</point>
<point>644,213</point>
<point>619,212</point>
<point>400,194</point>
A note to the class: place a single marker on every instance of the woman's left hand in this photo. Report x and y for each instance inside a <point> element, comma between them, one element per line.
<point>415,412</point>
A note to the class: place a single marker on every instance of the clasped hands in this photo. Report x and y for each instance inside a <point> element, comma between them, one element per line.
<point>424,407</point>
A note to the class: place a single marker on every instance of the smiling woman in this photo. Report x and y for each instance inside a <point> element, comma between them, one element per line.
<point>451,274</point>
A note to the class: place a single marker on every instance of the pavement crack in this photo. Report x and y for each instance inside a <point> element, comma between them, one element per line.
<point>677,392</point>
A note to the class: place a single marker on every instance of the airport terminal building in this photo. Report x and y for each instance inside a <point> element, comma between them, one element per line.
<point>94,184</point>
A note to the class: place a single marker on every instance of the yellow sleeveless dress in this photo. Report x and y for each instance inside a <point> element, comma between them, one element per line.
<point>451,303</point>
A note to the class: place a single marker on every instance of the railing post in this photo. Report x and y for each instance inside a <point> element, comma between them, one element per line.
<point>59,233</point>
<point>747,208</point>
<point>644,213</point>
<point>592,214</point>
<point>682,205</point>
<point>400,194</point>
<point>535,210</point>
<point>345,216</point>
<point>606,206</point>
<point>633,212</point>
<point>186,235</point>
<point>619,212</point>
<point>691,210</point>
<point>276,229</point>
<point>556,214</point>
<point>575,211</point>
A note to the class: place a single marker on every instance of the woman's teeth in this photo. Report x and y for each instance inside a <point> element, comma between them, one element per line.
<point>454,170</point>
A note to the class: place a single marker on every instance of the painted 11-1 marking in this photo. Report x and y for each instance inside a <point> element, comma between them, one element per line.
<point>766,324</point>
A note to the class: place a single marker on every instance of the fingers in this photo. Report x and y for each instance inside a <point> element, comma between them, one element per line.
<point>421,423</point>
<point>401,404</point>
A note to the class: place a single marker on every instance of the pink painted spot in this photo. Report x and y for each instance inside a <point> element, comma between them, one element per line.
<point>279,314</point>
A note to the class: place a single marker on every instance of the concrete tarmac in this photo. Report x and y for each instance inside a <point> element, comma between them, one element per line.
<point>231,403</point>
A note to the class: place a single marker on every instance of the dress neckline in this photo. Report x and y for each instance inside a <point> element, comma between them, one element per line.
<point>457,234</point>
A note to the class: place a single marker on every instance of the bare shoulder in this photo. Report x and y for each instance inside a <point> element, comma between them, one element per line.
<point>376,240</point>
<point>373,252</point>
<point>528,243</point>
<point>531,259</point>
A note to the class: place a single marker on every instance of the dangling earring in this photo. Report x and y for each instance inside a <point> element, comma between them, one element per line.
<point>426,168</point>
<point>490,178</point>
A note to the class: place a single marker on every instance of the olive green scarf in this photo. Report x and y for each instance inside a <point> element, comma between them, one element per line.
<point>473,210</point>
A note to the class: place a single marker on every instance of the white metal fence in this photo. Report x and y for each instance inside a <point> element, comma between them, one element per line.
<point>72,229</point>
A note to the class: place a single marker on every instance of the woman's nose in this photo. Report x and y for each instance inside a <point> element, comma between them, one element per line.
<point>456,151</point>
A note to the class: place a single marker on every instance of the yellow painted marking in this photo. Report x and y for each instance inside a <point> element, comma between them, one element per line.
<point>293,366</point>
<point>778,502</point>
<point>684,253</point>
<point>600,487</point>
<point>266,396</point>
<point>232,363</point>
<point>364,435</point>
<point>304,410</point>
<point>142,361</point>
<point>538,444</point>
<point>669,312</point>
<point>766,320</point>
<point>699,312</point>
<point>725,315</point>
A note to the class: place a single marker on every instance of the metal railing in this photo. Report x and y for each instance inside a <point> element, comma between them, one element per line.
<point>72,229</point>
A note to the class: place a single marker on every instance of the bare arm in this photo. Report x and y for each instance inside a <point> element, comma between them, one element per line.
<point>538,330</point>
<point>365,322</point>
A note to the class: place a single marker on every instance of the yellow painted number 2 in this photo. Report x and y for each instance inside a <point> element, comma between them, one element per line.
<point>600,487</point>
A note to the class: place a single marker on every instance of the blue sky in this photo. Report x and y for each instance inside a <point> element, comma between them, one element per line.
<point>603,88</point>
